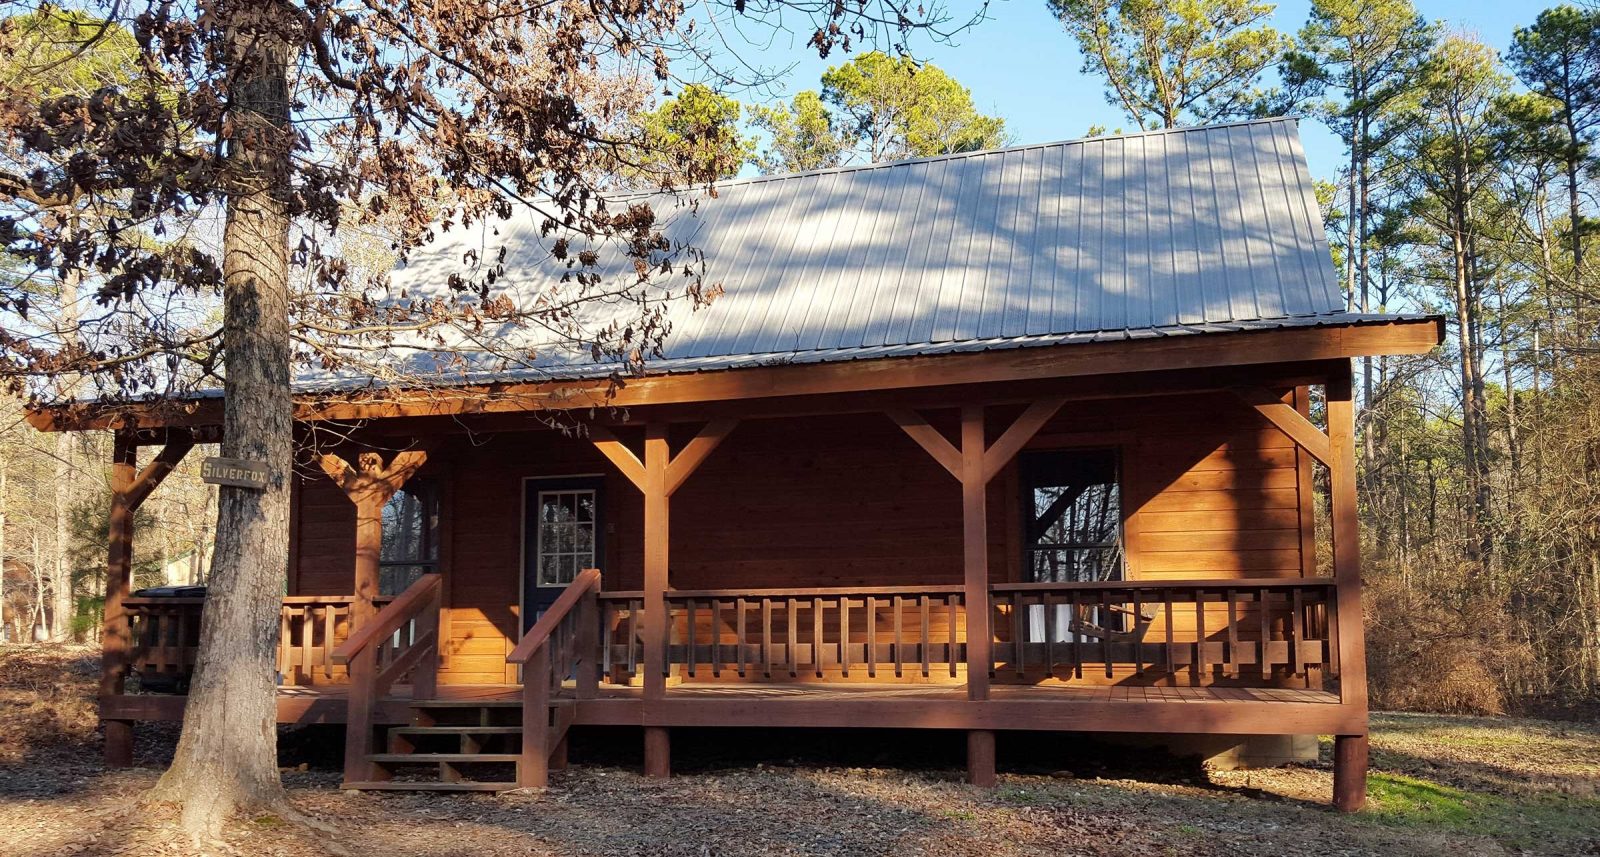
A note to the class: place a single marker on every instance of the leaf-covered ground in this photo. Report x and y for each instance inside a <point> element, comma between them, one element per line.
<point>1440,785</point>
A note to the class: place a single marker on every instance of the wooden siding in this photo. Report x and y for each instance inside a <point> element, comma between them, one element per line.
<point>1212,490</point>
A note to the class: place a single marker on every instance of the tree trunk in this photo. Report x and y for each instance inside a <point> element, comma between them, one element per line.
<point>62,603</point>
<point>226,761</point>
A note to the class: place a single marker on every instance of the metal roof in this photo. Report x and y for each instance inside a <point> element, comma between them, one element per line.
<point>1182,231</point>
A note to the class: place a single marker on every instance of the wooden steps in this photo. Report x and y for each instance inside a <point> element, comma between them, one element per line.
<point>471,745</point>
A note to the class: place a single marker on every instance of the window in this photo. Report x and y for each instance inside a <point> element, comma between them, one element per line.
<point>410,537</point>
<point>1072,516</point>
<point>566,534</point>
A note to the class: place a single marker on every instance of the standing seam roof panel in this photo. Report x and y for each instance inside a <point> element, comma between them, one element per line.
<point>1136,233</point>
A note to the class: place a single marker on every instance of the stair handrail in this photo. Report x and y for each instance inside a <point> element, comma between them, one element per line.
<point>539,635</point>
<point>390,619</point>
<point>421,601</point>
<point>579,604</point>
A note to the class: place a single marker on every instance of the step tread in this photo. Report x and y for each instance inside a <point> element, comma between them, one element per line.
<point>456,730</point>
<point>424,758</point>
<point>409,786</point>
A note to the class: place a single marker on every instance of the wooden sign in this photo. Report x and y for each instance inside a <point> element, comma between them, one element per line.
<point>236,472</point>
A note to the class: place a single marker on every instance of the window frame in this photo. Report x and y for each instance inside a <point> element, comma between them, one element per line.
<point>1028,548</point>
<point>428,493</point>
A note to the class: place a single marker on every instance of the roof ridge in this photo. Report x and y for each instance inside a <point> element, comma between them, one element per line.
<point>720,186</point>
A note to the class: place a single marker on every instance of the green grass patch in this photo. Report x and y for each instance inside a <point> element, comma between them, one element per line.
<point>1526,822</point>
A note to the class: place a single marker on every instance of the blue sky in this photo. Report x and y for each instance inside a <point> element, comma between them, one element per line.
<point>1021,65</point>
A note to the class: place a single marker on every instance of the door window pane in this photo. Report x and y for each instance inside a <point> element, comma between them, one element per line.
<point>566,535</point>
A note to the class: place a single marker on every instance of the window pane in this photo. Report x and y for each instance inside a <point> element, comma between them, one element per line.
<point>410,519</point>
<point>1072,516</point>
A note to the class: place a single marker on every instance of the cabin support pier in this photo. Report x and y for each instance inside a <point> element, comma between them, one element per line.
<point>1350,772</point>
<point>980,758</point>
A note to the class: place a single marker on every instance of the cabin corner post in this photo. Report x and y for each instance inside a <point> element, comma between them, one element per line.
<point>115,634</point>
<point>130,487</point>
<point>1350,750</point>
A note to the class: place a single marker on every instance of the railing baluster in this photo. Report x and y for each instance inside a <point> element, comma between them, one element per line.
<point>766,636</point>
<point>1172,660</point>
<point>308,627</point>
<point>716,637</point>
<point>1075,621</point>
<point>872,637</point>
<point>926,620</point>
<point>633,636</point>
<point>1019,606</point>
<point>792,655</point>
<point>844,636</point>
<point>1049,635</point>
<point>1138,643</point>
<point>953,603</point>
<point>899,656</point>
<point>1199,635</point>
<point>608,638</point>
<point>1265,607</point>
<point>1105,628</point>
<point>1294,634</point>
<point>689,631</point>
<point>1231,658</point>
<point>740,605</point>
<point>816,636</point>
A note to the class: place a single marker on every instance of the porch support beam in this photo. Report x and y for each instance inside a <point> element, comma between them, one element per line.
<point>658,477</point>
<point>1288,420</point>
<point>1350,758</point>
<point>369,485</point>
<point>130,487</point>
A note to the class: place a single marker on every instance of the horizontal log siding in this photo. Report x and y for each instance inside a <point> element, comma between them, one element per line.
<point>1212,492</point>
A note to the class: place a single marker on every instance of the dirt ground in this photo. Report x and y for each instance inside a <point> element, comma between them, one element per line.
<point>1440,785</point>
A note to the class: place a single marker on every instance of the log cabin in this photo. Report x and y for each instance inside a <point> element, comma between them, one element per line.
<point>1056,438</point>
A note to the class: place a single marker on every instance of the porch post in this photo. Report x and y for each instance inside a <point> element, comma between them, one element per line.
<point>369,487</point>
<point>1350,751</point>
<point>658,477</point>
<point>976,464</point>
<point>129,489</point>
<point>114,632</point>
<point>656,543</point>
<point>975,554</point>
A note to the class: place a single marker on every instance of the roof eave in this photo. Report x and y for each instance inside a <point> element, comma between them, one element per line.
<point>1398,335</point>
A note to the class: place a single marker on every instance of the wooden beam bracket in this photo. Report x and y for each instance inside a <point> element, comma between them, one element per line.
<point>1288,420</point>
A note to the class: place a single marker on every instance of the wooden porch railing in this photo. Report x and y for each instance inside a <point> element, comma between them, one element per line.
<point>562,644</point>
<point>1235,629</point>
<point>785,634</point>
<point>403,639</point>
<point>165,636</point>
<point>1249,630</point>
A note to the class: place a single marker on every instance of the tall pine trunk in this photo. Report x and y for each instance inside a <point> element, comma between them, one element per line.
<point>226,760</point>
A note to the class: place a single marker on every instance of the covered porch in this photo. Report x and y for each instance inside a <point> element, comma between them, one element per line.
<point>1220,619</point>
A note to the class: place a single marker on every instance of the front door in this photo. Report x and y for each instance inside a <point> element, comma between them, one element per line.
<point>561,532</point>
